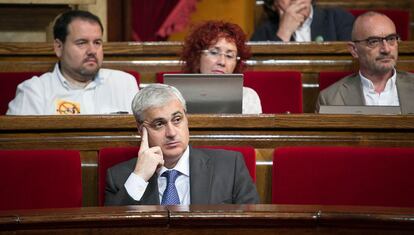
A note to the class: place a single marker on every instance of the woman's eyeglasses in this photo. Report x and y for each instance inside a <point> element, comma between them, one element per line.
<point>216,53</point>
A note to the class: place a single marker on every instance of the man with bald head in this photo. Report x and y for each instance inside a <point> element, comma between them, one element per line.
<point>375,45</point>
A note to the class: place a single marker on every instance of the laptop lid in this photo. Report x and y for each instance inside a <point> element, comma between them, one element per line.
<point>209,93</point>
<point>342,109</point>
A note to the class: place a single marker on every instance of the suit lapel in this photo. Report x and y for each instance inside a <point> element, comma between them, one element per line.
<point>200,177</point>
<point>405,88</point>
<point>151,195</point>
<point>351,91</point>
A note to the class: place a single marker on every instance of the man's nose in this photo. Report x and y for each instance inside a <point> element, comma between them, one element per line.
<point>92,48</point>
<point>385,47</point>
<point>170,130</point>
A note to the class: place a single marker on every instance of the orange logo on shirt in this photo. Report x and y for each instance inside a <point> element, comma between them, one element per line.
<point>67,107</point>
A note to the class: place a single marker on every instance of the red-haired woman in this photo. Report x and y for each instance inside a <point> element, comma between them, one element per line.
<point>217,47</point>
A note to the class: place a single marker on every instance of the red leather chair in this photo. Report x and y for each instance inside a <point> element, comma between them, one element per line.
<point>369,176</point>
<point>109,157</point>
<point>33,179</point>
<point>8,85</point>
<point>400,17</point>
<point>279,91</point>
<point>328,78</point>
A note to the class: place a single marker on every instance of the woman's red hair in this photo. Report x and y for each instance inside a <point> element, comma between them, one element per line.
<point>207,34</point>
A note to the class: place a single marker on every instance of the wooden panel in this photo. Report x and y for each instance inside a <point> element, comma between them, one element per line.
<point>266,132</point>
<point>213,219</point>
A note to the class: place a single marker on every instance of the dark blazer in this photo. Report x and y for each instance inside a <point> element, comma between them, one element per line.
<point>216,177</point>
<point>348,91</point>
<point>330,24</point>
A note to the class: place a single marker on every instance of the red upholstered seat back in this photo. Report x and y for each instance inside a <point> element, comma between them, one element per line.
<point>328,78</point>
<point>8,85</point>
<point>343,176</point>
<point>109,157</point>
<point>279,91</point>
<point>400,17</point>
<point>33,179</point>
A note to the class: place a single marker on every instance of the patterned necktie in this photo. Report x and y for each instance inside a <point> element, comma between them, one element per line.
<point>170,196</point>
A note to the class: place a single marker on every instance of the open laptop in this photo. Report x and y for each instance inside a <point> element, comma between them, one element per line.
<point>345,109</point>
<point>209,93</point>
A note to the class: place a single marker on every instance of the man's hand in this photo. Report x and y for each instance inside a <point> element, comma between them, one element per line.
<point>291,18</point>
<point>149,159</point>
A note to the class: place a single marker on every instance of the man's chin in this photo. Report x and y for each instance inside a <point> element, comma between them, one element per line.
<point>90,71</point>
<point>173,152</point>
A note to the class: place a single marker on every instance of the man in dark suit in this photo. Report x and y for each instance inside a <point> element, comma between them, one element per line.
<point>167,169</point>
<point>375,45</point>
<point>299,20</point>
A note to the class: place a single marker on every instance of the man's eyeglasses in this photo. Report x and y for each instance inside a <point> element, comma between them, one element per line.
<point>216,53</point>
<point>374,42</point>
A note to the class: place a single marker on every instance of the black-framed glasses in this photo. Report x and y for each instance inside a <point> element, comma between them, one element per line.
<point>374,42</point>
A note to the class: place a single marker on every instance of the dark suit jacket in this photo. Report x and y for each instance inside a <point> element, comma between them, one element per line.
<point>348,91</point>
<point>332,24</point>
<point>216,177</point>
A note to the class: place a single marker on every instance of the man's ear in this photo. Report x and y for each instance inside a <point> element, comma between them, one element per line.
<point>353,49</point>
<point>58,47</point>
<point>139,128</point>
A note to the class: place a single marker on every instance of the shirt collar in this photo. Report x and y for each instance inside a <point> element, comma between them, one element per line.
<point>183,165</point>
<point>367,84</point>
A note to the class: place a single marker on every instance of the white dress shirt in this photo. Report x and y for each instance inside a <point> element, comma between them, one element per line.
<point>136,186</point>
<point>388,97</point>
<point>251,102</point>
<point>303,33</point>
<point>111,91</point>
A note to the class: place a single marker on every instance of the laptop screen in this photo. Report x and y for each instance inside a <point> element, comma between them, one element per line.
<point>209,93</point>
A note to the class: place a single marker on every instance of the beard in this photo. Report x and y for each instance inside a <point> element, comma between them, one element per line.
<point>90,70</point>
<point>377,66</point>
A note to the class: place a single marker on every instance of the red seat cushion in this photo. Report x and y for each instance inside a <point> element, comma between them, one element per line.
<point>8,85</point>
<point>343,176</point>
<point>35,179</point>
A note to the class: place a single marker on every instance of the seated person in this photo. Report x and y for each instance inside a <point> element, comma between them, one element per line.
<point>202,176</point>
<point>300,21</point>
<point>78,84</point>
<point>375,45</point>
<point>220,47</point>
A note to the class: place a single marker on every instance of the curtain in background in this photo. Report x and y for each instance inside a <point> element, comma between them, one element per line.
<point>155,20</point>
